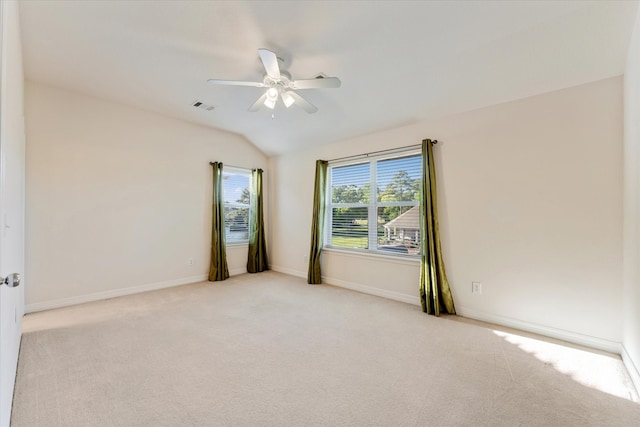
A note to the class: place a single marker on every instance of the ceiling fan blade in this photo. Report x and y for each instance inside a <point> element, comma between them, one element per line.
<point>303,103</point>
<point>259,103</point>
<point>270,62</point>
<point>235,83</point>
<point>317,83</point>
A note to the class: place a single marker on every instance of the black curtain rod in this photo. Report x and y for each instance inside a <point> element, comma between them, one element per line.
<point>231,166</point>
<point>406,147</point>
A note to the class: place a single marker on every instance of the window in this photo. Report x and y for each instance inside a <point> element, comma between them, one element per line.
<point>374,204</point>
<point>236,204</point>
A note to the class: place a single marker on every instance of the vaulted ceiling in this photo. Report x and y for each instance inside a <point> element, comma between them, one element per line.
<point>398,61</point>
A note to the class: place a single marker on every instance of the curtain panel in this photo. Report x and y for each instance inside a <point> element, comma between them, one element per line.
<point>218,268</point>
<point>257,259</point>
<point>435,294</point>
<point>317,223</point>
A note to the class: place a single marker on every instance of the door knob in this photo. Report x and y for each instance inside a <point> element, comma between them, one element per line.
<point>11,280</point>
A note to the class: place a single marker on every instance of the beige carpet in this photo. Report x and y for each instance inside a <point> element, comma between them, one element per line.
<point>269,350</point>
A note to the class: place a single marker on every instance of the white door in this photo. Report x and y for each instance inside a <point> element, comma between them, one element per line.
<point>11,261</point>
<point>12,167</point>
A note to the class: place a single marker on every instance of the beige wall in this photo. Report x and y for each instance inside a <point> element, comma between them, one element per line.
<point>530,201</point>
<point>117,197</point>
<point>631,338</point>
<point>530,196</point>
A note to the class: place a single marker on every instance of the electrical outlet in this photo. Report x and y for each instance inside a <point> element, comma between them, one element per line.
<point>190,262</point>
<point>476,287</point>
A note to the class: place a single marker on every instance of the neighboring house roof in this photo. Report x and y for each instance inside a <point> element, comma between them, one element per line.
<point>410,220</point>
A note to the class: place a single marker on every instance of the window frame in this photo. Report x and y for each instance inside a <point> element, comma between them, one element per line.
<point>372,206</point>
<point>233,170</point>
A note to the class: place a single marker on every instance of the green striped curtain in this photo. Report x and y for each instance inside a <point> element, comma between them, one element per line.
<point>435,294</point>
<point>218,269</point>
<point>317,223</point>
<point>257,259</point>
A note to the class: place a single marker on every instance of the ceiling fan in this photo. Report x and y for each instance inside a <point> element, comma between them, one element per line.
<point>280,85</point>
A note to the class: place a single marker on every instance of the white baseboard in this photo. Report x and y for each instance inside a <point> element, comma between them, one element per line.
<point>236,272</point>
<point>353,286</point>
<point>572,337</point>
<point>631,368</point>
<point>396,296</point>
<point>64,302</point>
<point>288,271</point>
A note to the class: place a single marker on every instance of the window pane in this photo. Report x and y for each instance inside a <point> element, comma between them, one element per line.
<point>349,227</point>
<point>394,209</point>
<point>350,184</point>
<point>399,229</point>
<point>236,221</point>
<point>398,180</point>
<point>236,206</point>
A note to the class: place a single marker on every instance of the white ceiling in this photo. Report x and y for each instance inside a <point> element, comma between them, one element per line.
<point>398,61</point>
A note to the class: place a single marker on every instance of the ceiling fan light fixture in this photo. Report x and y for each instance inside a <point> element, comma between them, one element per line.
<point>287,99</point>
<point>272,98</point>
<point>270,103</point>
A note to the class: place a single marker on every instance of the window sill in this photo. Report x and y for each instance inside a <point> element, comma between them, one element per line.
<point>370,255</point>
<point>237,244</point>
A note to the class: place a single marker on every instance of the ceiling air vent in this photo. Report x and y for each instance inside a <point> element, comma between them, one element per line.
<point>201,105</point>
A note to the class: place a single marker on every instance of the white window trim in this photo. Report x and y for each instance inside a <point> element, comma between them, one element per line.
<point>372,159</point>
<point>367,254</point>
<point>241,171</point>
